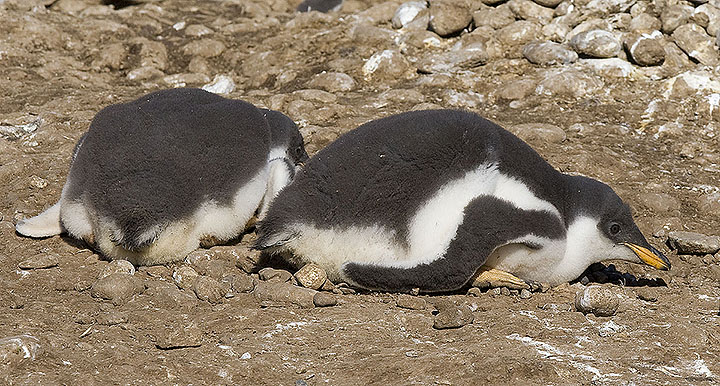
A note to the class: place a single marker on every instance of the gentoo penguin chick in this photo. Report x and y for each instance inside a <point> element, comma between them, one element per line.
<point>154,177</point>
<point>425,199</point>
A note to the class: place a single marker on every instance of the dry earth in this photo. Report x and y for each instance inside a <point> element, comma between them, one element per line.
<point>650,132</point>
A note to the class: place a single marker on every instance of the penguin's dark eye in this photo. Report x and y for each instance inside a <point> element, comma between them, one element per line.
<point>614,228</point>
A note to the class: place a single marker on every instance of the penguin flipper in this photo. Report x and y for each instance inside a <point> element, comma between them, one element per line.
<point>45,224</point>
<point>488,223</point>
<point>268,240</point>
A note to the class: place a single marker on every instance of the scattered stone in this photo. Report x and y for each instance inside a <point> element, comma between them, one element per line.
<point>451,315</point>
<point>597,300</point>
<point>645,49</point>
<point>645,22</point>
<point>182,80</point>
<point>517,89</point>
<point>528,10</point>
<point>525,294</point>
<point>247,261</point>
<point>674,16</point>
<point>555,32</point>
<point>448,17</point>
<point>13,132</point>
<point>117,287</point>
<point>152,53</point>
<point>693,40</point>
<point>549,3</point>
<point>333,82</point>
<point>407,12</point>
<point>206,48</point>
<point>659,202</point>
<point>518,33</point>
<point>604,8</point>
<point>221,84</point>
<point>494,18</point>
<point>117,266</point>
<point>610,67</point>
<point>646,294</point>
<point>210,290</point>
<point>185,276</point>
<point>144,73</point>
<point>386,65</point>
<point>39,261</point>
<point>239,283</point>
<point>179,336</point>
<point>596,44</point>
<point>568,82</point>
<point>311,276</point>
<point>538,131</point>
<point>691,243</point>
<point>708,17</point>
<point>285,293</point>
<point>411,302</point>
<point>474,291</point>
<point>505,291</point>
<point>461,58</point>
<point>324,299</point>
<point>547,53</point>
<point>112,57</point>
<point>495,292</point>
<point>275,275</point>
<point>197,30</point>
<point>15,349</point>
<point>609,328</point>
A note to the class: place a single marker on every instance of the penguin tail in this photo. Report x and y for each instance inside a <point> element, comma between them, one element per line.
<point>45,224</point>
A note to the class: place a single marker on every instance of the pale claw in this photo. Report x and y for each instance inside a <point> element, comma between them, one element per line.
<point>495,278</point>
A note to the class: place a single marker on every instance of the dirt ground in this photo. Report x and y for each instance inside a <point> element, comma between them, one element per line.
<point>62,62</point>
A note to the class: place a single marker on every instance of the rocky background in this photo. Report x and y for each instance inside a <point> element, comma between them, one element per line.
<point>626,91</point>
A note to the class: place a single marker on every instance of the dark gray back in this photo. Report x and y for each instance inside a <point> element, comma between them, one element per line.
<point>156,159</point>
<point>384,170</point>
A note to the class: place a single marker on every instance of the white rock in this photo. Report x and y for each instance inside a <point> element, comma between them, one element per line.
<point>568,83</point>
<point>596,43</point>
<point>548,53</point>
<point>407,12</point>
<point>698,81</point>
<point>221,84</point>
<point>612,67</point>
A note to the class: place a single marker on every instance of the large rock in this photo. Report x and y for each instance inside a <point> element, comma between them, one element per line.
<point>285,293</point>
<point>645,49</point>
<point>569,83</point>
<point>548,53</point>
<point>645,22</point>
<point>407,12</point>
<point>461,58</point>
<point>674,16</point>
<point>386,65</point>
<point>528,10</point>
<point>518,33</point>
<point>691,243</point>
<point>448,17</point>
<point>495,18</point>
<point>708,17</point>
<point>602,8</point>
<point>311,276</point>
<point>693,40</point>
<point>597,300</point>
<point>595,44</point>
<point>118,287</point>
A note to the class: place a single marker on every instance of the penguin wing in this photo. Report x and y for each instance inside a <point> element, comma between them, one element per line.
<point>489,223</point>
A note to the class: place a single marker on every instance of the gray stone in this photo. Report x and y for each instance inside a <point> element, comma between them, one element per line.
<point>691,243</point>
<point>461,58</point>
<point>448,17</point>
<point>645,49</point>
<point>611,67</point>
<point>387,65</point>
<point>117,266</point>
<point>311,276</point>
<point>645,22</point>
<point>528,10</point>
<point>568,83</point>
<point>182,80</point>
<point>538,131</point>
<point>112,56</point>
<point>548,53</point>
<point>596,44</point>
<point>118,287</point>
<point>674,16</point>
<point>239,283</point>
<point>144,73</point>
<point>324,299</point>
<point>517,89</point>
<point>708,17</point>
<point>184,276</point>
<point>597,300</point>
<point>333,82</point>
<point>210,290</point>
<point>206,48</point>
<point>407,12</point>
<point>549,3</point>
<point>197,30</point>
<point>39,261</point>
<point>525,294</point>
<point>275,275</point>
<point>451,315</point>
<point>589,25</point>
<point>179,336</point>
<point>693,40</point>
<point>518,33</point>
<point>152,53</point>
<point>555,31</point>
<point>285,293</point>
<point>494,18</point>
<point>411,302</point>
<point>603,8</point>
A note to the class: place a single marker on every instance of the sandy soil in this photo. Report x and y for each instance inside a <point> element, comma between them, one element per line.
<point>59,65</point>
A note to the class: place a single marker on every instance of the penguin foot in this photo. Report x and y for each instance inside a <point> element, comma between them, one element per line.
<point>494,278</point>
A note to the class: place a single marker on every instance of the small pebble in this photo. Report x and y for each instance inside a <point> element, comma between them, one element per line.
<point>39,261</point>
<point>285,293</point>
<point>221,84</point>
<point>209,289</point>
<point>474,291</point>
<point>448,17</point>
<point>324,299</point>
<point>311,276</point>
<point>597,300</point>
<point>333,82</point>
<point>411,302</point>
<point>117,266</point>
<point>275,275</point>
<point>184,276</point>
<point>451,315</point>
<point>525,294</point>
<point>117,287</point>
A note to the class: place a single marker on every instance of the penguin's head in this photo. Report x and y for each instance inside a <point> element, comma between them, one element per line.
<point>285,134</point>
<point>622,239</point>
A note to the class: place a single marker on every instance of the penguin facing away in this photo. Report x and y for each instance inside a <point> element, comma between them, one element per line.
<point>153,178</point>
<point>427,199</point>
